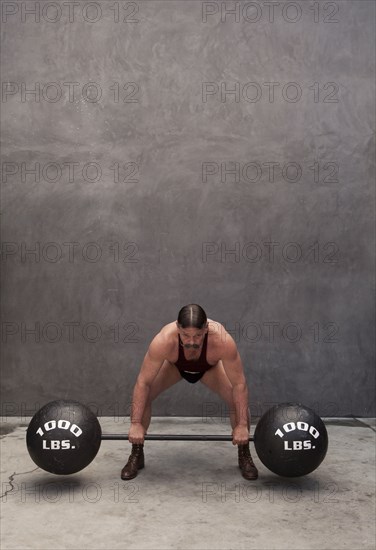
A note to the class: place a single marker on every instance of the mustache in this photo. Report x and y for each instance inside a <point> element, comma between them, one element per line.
<point>188,346</point>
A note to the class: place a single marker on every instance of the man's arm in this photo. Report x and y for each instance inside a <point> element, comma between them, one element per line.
<point>234,369</point>
<point>151,364</point>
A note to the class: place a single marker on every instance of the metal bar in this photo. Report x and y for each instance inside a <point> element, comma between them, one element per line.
<point>172,437</point>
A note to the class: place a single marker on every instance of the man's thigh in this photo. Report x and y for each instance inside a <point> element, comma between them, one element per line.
<point>167,376</point>
<point>217,380</point>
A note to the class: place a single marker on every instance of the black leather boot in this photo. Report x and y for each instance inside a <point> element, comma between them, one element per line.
<point>246,465</point>
<point>136,461</point>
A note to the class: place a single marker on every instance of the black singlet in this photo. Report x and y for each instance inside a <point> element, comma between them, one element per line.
<point>197,367</point>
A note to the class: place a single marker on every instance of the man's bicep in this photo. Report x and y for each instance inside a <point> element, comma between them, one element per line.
<point>233,366</point>
<point>151,364</point>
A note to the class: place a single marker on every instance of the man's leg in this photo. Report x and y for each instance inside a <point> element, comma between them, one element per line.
<point>217,380</point>
<point>167,376</point>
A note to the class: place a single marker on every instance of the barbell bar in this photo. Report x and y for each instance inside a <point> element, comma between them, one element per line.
<point>172,437</point>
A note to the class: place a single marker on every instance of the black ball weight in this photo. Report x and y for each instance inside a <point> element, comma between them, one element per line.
<point>63,437</point>
<point>291,440</point>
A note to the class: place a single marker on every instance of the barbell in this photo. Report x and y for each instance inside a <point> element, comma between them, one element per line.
<point>64,437</point>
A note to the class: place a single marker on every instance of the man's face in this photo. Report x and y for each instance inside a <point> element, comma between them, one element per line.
<point>192,337</point>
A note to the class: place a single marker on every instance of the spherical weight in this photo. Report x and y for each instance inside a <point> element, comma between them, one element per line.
<point>63,437</point>
<point>291,440</point>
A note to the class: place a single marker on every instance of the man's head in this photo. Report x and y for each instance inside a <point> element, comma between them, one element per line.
<point>192,325</point>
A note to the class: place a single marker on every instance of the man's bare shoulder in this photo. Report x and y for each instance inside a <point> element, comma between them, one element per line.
<point>219,335</point>
<point>164,342</point>
<point>223,344</point>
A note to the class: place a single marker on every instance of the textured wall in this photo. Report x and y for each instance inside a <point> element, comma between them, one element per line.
<point>157,153</point>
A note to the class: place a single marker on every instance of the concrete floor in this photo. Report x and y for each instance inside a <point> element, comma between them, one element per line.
<point>190,495</point>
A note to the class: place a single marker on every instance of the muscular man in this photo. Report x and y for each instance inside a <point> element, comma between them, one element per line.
<point>193,348</point>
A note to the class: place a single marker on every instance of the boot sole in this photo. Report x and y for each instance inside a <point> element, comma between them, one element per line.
<point>126,478</point>
<point>248,478</point>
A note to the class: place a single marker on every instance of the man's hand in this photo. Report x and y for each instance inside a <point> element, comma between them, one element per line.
<point>136,434</point>
<point>240,435</point>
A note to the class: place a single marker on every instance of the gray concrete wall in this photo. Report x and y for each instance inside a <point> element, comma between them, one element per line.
<point>157,153</point>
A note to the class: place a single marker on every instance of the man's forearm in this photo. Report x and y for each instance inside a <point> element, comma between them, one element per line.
<point>240,397</point>
<point>140,397</point>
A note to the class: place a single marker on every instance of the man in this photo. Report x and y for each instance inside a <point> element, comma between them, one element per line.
<point>193,348</point>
